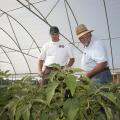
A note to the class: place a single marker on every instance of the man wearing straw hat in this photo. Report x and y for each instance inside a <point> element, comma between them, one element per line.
<point>94,59</point>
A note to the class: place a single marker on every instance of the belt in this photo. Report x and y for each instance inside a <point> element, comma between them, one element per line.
<point>106,68</point>
<point>49,67</point>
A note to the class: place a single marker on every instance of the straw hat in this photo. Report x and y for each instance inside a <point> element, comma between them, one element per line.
<point>82,30</point>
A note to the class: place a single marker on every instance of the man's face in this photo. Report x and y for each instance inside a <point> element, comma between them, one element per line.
<point>85,39</point>
<point>54,36</point>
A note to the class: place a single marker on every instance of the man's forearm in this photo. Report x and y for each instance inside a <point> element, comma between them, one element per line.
<point>40,65</point>
<point>71,62</point>
<point>98,68</point>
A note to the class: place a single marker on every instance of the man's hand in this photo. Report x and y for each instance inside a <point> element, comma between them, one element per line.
<point>98,68</point>
<point>40,73</point>
<point>40,65</point>
<point>88,75</point>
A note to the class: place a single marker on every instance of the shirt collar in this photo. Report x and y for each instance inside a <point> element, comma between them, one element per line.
<point>55,43</point>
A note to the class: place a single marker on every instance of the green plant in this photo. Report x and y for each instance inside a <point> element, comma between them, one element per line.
<point>4,74</point>
<point>65,97</point>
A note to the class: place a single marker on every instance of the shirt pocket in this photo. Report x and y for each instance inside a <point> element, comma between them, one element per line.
<point>88,60</point>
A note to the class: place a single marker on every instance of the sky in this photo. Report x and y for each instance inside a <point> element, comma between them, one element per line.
<point>23,32</point>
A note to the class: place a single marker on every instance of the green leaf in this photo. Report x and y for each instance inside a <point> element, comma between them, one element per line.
<point>71,107</point>
<point>50,91</point>
<point>27,78</point>
<point>20,108</point>
<point>44,116</point>
<point>109,96</point>
<point>60,76</point>
<point>52,75</point>
<point>38,100</point>
<point>4,74</point>
<point>107,111</point>
<point>26,112</point>
<point>11,106</point>
<point>13,110</point>
<point>18,113</point>
<point>15,86</point>
<point>75,70</point>
<point>70,81</point>
<point>56,66</point>
<point>7,73</point>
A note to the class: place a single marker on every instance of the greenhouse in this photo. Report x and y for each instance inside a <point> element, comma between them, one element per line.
<point>33,89</point>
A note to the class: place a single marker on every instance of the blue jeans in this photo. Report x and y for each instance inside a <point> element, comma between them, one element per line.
<point>103,77</point>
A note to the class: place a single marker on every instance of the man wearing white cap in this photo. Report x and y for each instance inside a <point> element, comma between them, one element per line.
<point>56,52</point>
<point>94,59</point>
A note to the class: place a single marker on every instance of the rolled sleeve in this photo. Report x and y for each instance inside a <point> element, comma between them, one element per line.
<point>43,53</point>
<point>100,53</point>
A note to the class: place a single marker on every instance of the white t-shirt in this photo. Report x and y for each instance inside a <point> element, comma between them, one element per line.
<point>93,54</point>
<point>56,52</point>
